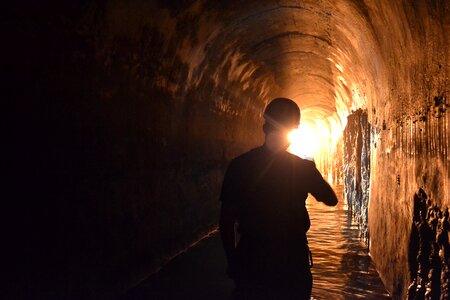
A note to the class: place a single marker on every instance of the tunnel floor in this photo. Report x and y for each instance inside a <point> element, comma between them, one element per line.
<point>342,266</point>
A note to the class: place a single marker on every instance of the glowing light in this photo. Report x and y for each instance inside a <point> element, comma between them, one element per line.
<point>316,139</point>
<point>305,141</point>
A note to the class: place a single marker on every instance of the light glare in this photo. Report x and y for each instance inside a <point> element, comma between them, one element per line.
<point>305,141</point>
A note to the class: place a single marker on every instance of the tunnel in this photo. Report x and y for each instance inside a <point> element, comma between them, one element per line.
<point>124,117</point>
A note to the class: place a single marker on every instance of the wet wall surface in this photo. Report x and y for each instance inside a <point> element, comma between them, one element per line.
<point>125,115</point>
<point>357,168</point>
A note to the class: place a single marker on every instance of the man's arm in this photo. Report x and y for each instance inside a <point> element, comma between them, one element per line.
<point>321,190</point>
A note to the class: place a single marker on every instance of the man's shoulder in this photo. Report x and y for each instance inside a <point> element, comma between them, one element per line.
<point>301,161</point>
<point>241,163</point>
<point>249,155</point>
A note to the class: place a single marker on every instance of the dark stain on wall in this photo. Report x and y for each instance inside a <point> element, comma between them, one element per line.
<point>429,250</point>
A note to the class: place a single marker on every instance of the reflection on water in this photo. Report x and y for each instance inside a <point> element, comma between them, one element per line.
<point>342,266</point>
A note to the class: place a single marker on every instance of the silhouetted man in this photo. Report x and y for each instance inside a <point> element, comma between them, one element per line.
<point>264,192</point>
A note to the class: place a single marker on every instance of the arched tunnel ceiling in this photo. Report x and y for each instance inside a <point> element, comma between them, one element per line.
<point>331,57</point>
<point>322,54</point>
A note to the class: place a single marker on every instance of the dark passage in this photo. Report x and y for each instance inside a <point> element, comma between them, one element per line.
<point>342,267</point>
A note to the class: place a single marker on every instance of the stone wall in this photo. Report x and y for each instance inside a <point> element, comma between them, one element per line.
<point>410,119</point>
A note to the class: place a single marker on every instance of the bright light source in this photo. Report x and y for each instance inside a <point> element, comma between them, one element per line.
<point>305,141</point>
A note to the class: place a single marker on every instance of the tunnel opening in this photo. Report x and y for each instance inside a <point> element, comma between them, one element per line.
<point>320,141</point>
<point>343,157</point>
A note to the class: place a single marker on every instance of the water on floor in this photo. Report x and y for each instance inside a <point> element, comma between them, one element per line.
<point>342,267</point>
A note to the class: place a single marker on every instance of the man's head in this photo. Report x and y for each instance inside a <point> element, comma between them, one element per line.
<point>281,116</point>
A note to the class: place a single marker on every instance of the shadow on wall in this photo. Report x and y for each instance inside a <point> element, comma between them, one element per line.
<point>429,250</point>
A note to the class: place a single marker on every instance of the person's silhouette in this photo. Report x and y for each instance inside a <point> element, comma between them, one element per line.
<point>264,193</point>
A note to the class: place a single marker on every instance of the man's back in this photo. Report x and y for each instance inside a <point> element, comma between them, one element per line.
<point>267,191</point>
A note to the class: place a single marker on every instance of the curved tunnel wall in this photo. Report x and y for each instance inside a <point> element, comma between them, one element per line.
<point>145,102</point>
<point>410,143</point>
